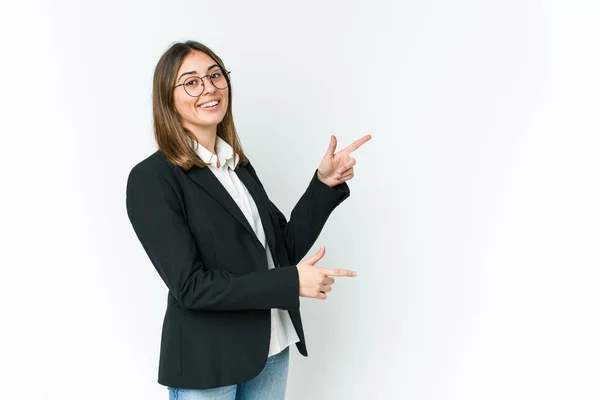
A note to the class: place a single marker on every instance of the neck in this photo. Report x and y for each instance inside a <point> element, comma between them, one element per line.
<point>206,136</point>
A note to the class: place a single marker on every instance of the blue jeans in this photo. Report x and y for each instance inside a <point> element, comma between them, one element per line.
<point>269,384</point>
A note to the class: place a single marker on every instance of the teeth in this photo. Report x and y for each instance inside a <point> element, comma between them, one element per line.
<point>210,104</point>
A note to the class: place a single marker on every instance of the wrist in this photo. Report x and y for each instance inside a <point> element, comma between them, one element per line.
<point>320,177</point>
<point>324,181</point>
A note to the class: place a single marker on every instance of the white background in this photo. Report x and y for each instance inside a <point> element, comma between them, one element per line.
<point>473,221</point>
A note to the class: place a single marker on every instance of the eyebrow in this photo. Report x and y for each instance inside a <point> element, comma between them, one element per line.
<point>195,72</point>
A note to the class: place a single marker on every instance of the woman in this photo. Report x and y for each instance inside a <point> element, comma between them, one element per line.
<point>228,256</point>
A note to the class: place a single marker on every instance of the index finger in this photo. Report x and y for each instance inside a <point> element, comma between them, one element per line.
<point>350,148</point>
<point>338,272</point>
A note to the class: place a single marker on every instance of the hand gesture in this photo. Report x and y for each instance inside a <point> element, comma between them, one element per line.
<point>336,168</point>
<point>316,282</point>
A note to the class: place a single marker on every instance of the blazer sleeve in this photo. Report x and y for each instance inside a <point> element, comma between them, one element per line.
<point>157,217</point>
<point>308,216</point>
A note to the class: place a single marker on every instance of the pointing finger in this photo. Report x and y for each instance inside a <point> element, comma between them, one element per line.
<point>358,143</point>
<point>338,272</point>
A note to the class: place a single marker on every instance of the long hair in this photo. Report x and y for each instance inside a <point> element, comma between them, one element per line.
<point>173,140</point>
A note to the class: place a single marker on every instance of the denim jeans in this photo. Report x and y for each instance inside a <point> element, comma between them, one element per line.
<point>269,384</point>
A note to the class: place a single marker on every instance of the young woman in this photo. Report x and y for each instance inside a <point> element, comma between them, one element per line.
<point>230,259</point>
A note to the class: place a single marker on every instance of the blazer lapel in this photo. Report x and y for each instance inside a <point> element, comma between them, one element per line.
<point>205,178</point>
<point>261,201</point>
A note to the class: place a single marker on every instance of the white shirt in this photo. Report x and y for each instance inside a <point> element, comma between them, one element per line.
<point>283,333</point>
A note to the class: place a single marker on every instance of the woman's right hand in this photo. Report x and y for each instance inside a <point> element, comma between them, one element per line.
<point>316,282</point>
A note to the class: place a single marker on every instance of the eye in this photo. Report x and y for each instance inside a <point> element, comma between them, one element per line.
<point>216,75</point>
<point>191,82</point>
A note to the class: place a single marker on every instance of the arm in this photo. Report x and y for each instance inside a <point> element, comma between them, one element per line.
<point>158,220</point>
<point>323,195</point>
<point>308,216</point>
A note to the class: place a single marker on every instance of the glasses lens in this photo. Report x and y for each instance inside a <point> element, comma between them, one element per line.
<point>218,79</point>
<point>193,86</point>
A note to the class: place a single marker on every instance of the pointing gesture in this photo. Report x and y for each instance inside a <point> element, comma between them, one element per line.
<point>314,281</point>
<point>336,168</point>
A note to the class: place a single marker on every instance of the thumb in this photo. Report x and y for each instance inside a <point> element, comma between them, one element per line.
<point>318,255</point>
<point>332,146</point>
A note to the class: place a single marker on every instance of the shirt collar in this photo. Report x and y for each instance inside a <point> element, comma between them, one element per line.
<point>224,153</point>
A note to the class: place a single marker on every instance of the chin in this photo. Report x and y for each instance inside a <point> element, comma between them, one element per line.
<point>206,123</point>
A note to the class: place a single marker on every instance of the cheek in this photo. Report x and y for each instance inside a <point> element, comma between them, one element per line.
<point>184,106</point>
<point>226,98</point>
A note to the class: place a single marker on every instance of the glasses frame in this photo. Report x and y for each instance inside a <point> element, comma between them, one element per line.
<point>225,73</point>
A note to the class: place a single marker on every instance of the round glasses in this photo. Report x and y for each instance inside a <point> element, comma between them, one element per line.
<point>194,85</point>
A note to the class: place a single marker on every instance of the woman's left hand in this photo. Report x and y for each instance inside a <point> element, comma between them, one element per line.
<point>336,168</point>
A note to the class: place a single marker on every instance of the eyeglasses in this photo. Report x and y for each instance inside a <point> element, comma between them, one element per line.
<point>194,85</point>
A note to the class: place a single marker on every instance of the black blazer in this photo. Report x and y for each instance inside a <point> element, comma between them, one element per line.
<point>217,324</point>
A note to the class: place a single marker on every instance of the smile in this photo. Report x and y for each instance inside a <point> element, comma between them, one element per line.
<point>210,105</point>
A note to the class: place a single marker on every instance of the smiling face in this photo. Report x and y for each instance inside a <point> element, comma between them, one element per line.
<point>201,114</point>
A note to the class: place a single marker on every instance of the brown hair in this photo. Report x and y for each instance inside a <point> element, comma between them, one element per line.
<point>170,135</point>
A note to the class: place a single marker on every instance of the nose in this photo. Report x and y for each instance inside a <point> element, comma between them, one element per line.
<point>208,85</point>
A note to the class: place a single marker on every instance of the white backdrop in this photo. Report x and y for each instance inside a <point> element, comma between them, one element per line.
<point>472,223</point>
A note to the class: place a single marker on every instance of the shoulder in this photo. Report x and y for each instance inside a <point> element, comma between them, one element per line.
<point>248,166</point>
<point>155,169</point>
<point>156,164</point>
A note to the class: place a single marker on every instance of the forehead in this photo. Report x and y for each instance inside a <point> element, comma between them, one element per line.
<point>196,61</point>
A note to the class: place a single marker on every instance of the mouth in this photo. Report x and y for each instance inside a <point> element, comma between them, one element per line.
<point>210,105</point>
